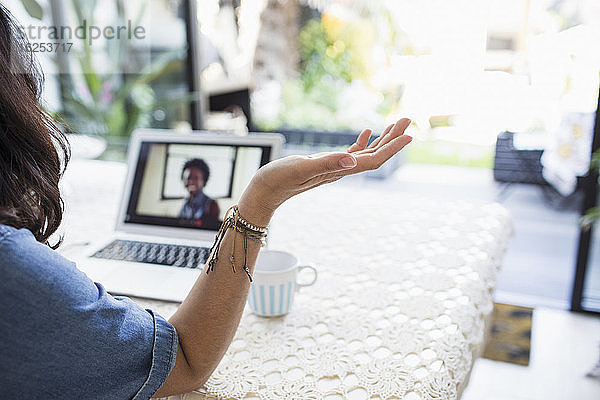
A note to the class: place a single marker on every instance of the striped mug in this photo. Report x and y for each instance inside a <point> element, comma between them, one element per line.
<point>274,283</point>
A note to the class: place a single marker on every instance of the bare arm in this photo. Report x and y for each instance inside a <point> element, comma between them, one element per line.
<point>208,318</point>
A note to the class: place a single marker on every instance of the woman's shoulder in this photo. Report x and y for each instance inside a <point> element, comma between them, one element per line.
<point>19,245</point>
<point>5,231</point>
<point>10,236</point>
<point>27,265</point>
<point>19,248</point>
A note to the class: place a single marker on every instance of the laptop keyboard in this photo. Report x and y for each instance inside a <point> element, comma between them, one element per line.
<point>155,253</point>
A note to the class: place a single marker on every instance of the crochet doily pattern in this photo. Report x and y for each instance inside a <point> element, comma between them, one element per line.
<point>398,310</point>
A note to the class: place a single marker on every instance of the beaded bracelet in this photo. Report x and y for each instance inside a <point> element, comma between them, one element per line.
<point>248,225</point>
<point>233,220</point>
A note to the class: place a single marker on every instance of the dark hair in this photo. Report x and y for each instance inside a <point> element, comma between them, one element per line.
<point>197,163</point>
<point>33,149</point>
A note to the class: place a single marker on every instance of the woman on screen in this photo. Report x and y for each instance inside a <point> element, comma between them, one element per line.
<point>197,206</point>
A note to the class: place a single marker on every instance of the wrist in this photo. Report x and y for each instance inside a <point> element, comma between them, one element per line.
<point>253,210</point>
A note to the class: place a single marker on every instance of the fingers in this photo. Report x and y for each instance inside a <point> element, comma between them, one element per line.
<point>385,132</point>
<point>390,133</point>
<point>320,168</point>
<point>361,141</point>
<point>374,160</point>
<point>365,162</point>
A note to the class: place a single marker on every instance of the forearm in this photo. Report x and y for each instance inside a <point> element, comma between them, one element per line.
<point>208,318</point>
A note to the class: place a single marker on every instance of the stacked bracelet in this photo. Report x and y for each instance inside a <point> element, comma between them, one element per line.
<point>233,220</point>
<point>248,225</point>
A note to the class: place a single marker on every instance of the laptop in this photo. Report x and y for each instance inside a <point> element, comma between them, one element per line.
<point>169,213</point>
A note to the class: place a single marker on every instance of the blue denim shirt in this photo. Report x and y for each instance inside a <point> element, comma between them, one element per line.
<point>63,336</point>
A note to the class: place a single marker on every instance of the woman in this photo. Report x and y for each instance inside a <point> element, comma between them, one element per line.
<point>198,206</point>
<point>62,335</point>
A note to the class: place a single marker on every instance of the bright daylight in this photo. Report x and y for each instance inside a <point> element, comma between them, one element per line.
<point>300,199</point>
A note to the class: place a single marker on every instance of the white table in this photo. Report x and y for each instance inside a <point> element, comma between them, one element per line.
<point>398,310</point>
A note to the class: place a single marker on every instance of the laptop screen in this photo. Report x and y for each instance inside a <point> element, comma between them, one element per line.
<point>190,185</point>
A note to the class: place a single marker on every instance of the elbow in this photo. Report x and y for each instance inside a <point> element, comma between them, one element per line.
<point>199,375</point>
<point>199,378</point>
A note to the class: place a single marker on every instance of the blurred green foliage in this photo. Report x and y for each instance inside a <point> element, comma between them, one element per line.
<point>449,153</point>
<point>113,104</point>
<point>332,55</point>
<point>335,51</point>
<point>322,57</point>
<point>33,8</point>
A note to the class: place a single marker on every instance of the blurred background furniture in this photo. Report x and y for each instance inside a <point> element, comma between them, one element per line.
<point>514,165</point>
<point>518,160</point>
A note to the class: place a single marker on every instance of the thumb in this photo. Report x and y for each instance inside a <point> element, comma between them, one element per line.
<point>332,162</point>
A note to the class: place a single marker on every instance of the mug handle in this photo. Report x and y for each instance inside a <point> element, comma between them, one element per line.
<point>310,266</point>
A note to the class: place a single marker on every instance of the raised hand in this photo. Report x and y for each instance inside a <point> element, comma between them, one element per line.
<point>284,178</point>
<point>207,319</point>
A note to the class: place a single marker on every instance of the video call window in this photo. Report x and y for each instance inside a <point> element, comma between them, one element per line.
<point>170,186</point>
<point>220,160</point>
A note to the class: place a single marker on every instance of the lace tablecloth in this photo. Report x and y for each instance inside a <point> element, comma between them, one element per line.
<point>397,311</point>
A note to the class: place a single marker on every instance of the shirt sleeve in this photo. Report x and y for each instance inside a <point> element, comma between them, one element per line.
<point>63,336</point>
